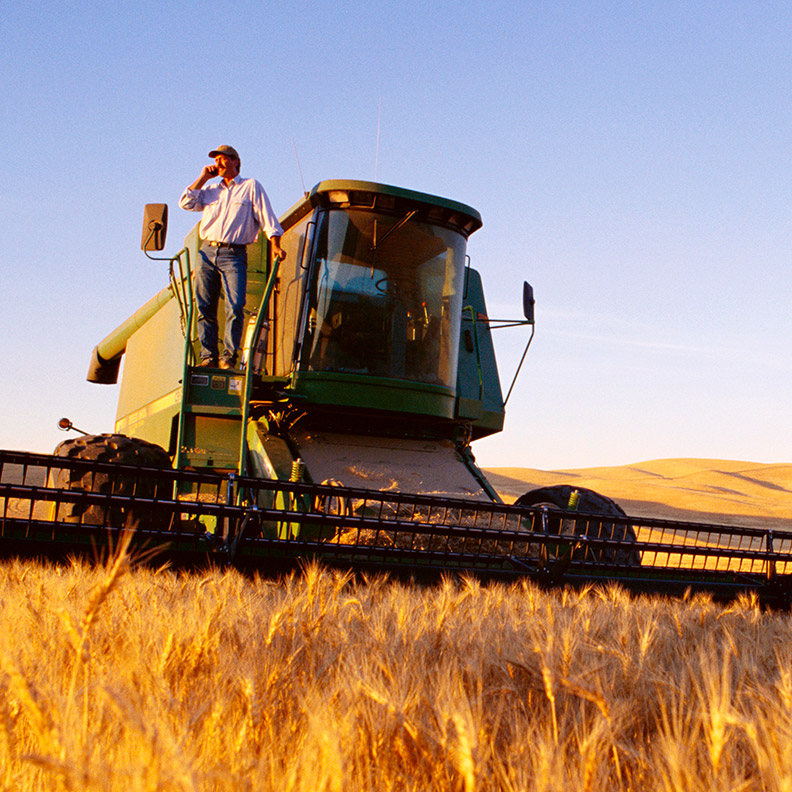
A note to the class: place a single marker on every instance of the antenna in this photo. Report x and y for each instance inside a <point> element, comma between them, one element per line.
<point>299,167</point>
<point>376,158</point>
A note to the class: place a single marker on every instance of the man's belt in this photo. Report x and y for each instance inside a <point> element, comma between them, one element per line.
<point>226,245</point>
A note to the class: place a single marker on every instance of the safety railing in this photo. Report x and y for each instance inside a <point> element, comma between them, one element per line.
<point>53,505</point>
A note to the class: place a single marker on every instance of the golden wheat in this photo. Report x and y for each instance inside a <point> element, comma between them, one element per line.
<point>114,678</point>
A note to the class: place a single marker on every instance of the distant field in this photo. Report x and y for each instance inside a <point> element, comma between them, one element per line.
<point>706,490</point>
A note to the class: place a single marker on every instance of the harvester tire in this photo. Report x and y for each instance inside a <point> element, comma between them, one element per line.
<point>121,450</point>
<point>590,502</point>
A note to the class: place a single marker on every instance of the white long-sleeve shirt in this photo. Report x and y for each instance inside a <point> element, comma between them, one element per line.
<point>234,213</point>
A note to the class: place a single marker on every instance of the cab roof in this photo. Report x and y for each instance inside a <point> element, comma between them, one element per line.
<point>346,194</point>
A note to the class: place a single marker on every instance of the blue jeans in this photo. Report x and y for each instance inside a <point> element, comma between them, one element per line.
<point>220,269</point>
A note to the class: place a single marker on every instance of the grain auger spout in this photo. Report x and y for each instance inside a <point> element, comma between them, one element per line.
<point>107,354</point>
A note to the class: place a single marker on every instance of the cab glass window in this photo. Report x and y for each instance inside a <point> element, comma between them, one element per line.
<point>385,297</point>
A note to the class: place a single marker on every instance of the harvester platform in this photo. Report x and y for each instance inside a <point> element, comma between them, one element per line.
<point>194,518</point>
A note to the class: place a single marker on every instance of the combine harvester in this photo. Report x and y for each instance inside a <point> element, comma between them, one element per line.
<point>345,435</point>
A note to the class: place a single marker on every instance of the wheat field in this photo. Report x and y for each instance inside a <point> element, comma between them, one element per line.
<point>122,678</point>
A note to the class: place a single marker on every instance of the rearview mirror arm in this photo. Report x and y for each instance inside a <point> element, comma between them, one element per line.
<point>516,373</point>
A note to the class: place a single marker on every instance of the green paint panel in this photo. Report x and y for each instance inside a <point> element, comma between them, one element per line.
<point>374,393</point>
<point>210,441</point>
<point>270,457</point>
<point>479,397</point>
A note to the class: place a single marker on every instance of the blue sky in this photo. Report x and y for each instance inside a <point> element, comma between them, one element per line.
<point>630,159</point>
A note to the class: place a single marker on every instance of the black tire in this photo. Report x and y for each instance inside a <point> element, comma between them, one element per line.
<point>590,502</point>
<point>123,451</point>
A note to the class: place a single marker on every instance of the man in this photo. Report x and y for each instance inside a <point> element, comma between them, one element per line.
<point>234,211</point>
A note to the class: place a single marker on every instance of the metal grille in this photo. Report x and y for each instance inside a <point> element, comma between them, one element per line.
<point>55,505</point>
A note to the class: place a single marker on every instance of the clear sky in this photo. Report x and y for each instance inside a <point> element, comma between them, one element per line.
<point>630,159</point>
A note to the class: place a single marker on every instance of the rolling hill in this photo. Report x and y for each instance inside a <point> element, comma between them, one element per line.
<point>706,490</point>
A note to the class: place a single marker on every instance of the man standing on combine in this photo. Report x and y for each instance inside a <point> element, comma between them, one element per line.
<point>234,211</point>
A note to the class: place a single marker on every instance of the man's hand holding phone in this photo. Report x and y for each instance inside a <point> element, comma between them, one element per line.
<point>208,172</point>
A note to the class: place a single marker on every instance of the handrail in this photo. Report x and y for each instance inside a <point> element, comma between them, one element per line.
<point>249,374</point>
<point>186,304</point>
<point>182,289</point>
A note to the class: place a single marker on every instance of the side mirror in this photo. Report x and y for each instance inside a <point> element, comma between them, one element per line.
<point>155,227</point>
<point>528,302</point>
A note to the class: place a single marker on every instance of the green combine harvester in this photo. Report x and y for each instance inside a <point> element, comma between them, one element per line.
<point>368,370</point>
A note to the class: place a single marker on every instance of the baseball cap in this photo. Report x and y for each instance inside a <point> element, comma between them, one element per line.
<point>229,151</point>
